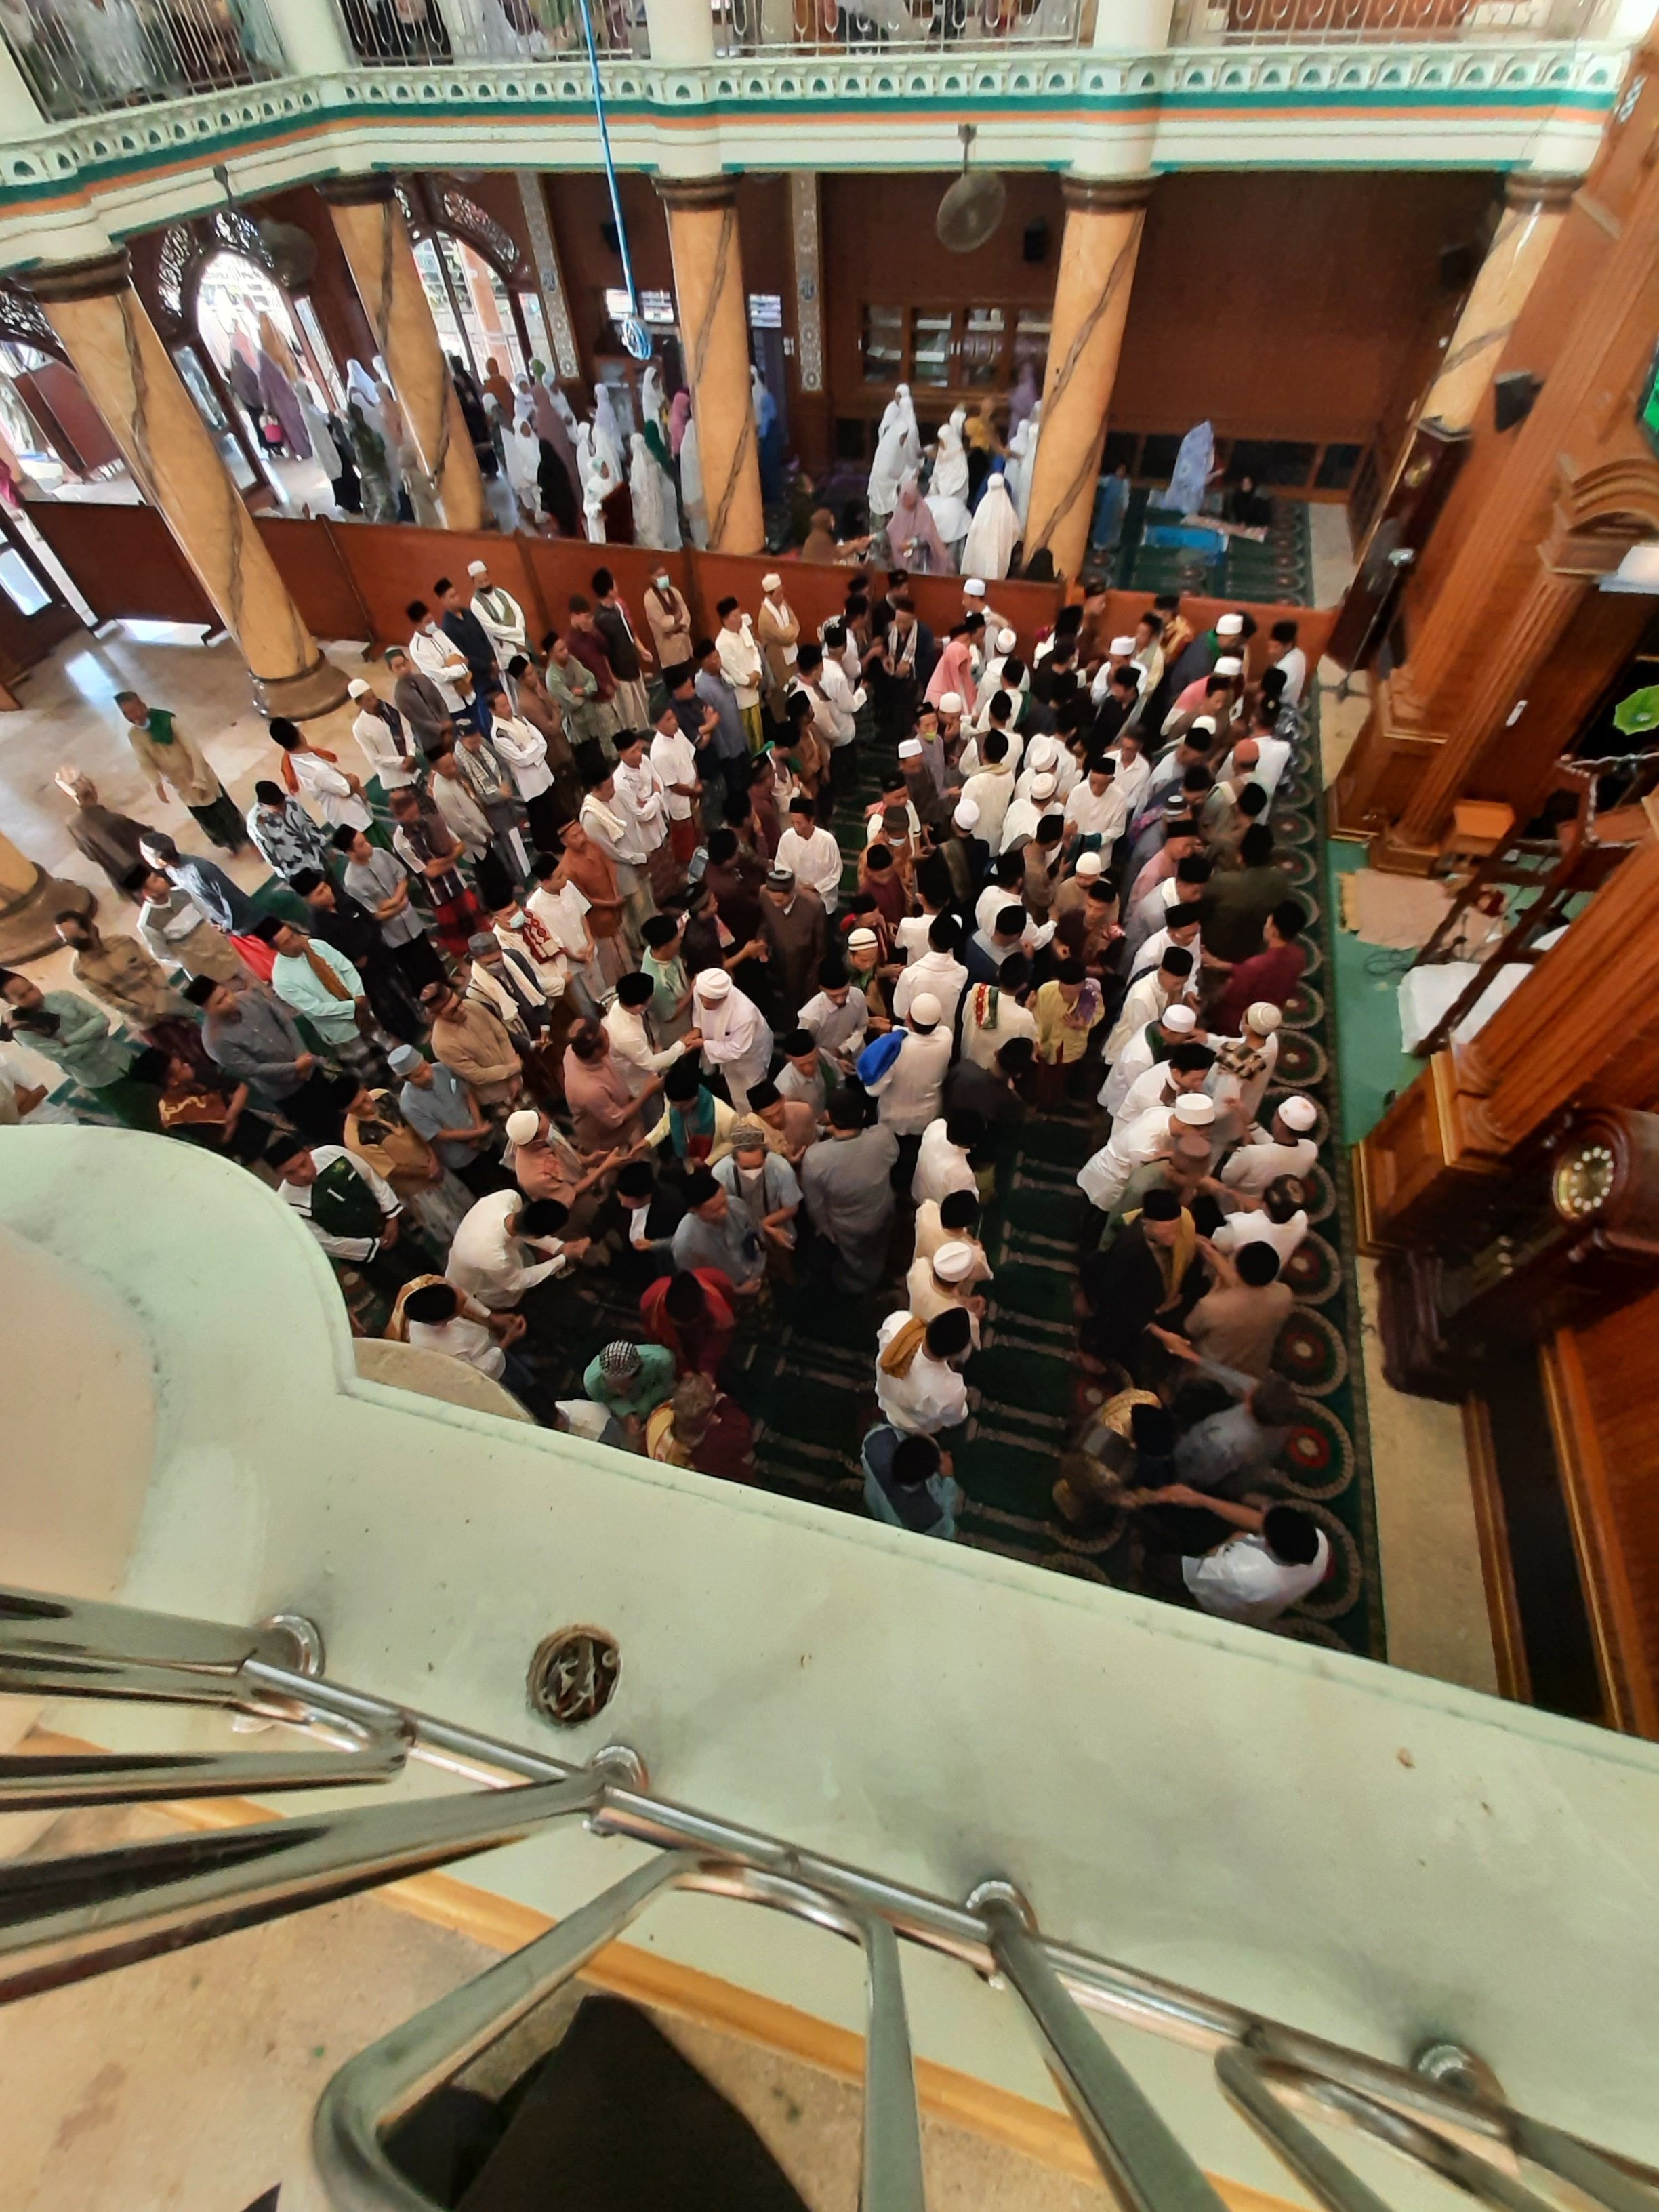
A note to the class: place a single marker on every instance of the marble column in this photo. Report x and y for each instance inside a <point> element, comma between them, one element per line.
<point>30,901</point>
<point>1104,223</point>
<point>129,377</point>
<point>1534,208</point>
<point>375,241</point>
<point>714,313</point>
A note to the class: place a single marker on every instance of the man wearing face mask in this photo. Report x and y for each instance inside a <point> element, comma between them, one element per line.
<point>669,619</point>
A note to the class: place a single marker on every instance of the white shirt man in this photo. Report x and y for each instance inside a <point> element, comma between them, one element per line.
<point>1026,810</point>
<point>439,657</point>
<point>562,915</point>
<point>1148,1136</point>
<point>464,1337</point>
<point>909,1090</point>
<point>1249,1228</point>
<point>1284,1152</point>
<point>523,750</point>
<point>932,1233</point>
<point>1151,953</point>
<point>641,800</point>
<point>1244,1581</point>
<point>990,1019</point>
<point>375,741</point>
<point>339,805</point>
<point>931,1396</point>
<point>1272,758</point>
<point>1131,780</point>
<point>940,973</point>
<point>1295,666</point>
<point>674,759</point>
<point>740,662</point>
<point>836,1021</point>
<point>1096,813</point>
<point>991,789</point>
<point>1135,1057</point>
<point>814,861</point>
<point>486,1259</point>
<point>631,1045</point>
<point>941,1166</point>
<point>1144,1001</point>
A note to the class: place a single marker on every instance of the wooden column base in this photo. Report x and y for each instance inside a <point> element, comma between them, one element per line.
<point>1422,1165</point>
<point>26,928</point>
<point>315,690</point>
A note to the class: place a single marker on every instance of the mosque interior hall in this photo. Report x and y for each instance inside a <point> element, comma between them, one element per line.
<point>829,1104</point>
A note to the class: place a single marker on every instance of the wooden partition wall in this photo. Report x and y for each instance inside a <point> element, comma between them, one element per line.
<point>355,580</point>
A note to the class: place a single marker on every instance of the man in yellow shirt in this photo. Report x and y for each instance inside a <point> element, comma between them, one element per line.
<point>1067,1009</point>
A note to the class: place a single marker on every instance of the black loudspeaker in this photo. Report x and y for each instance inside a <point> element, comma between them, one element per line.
<point>1512,397</point>
<point>612,238</point>
<point>1457,266</point>
<point>1035,244</point>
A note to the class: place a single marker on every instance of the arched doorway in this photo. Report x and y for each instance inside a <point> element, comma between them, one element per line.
<point>478,285</point>
<point>267,360</point>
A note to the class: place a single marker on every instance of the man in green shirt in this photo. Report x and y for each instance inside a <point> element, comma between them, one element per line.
<point>78,1037</point>
<point>631,1381</point>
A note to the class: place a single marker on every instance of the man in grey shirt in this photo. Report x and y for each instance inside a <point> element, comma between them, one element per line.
<point>1217,1454</point>
<point>439,1106</point>
<point>253,1038</point>
<point>715,1233</point>
<point>847,1182</point>
<point>379,881</point>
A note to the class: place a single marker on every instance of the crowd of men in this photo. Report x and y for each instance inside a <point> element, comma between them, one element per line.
<point>585,976</point>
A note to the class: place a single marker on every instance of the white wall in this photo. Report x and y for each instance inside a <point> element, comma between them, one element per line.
<point>1371,1855</point>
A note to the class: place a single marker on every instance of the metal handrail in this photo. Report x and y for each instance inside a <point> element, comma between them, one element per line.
<point>65,1918</point>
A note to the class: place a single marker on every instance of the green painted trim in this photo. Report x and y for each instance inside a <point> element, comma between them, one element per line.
<point>1485,104</point>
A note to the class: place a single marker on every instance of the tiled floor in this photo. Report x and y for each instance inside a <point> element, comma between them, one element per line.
<point>189,2082</point>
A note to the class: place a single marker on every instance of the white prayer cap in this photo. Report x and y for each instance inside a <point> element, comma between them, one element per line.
<point>1195,1108</point>
<point>1263,1017</point>
<point>359,689</point>
<point>967,814</point>
<point>925,1008</point>
<point>521,1127</point>
<point>1179,1017</point>
<point>1205,722</point>
<point>1229,665</point>
<point>1006,641</point>
<point>974,588</point>
<point>1044,753</point>
<point>771,581</point>
<point>1088,864</point>
<point>1230,626</point>
<point>1043,786</point>
<point>862,940</point>
<point>1299,1113</point>
<point>910,749</point>
<point>953,1262</point>
<point>477,569</point>
<point>950,703</point>
<point>713,984</point>
<point>1124,645</point>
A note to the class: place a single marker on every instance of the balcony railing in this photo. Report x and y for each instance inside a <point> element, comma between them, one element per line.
<point>1391,23</point>
<point>86,57</point>
<point>395,32</point>
<point>749,27</point>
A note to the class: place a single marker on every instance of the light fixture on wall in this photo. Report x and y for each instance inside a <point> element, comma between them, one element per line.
<point>635,337</point>
<point>970,211</point>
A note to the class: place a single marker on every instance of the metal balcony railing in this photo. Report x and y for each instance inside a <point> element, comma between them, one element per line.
<point>401,31</point>
<point>1383,22</point>
<point>840,25</point>
<point>67,1918</point>
<point>87,56</point>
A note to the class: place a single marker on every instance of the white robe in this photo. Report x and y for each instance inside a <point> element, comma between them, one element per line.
<point>524,458</point>
<point>651,495</point>
<point>948,497</point>
<point>736,1042</point>
<point>990,545</point>
<point>607,434</point>
<point>1017,470</point>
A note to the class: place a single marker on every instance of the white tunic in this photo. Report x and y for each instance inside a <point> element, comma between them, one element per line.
<point>488,1264</point>
<point>1253,1167</point>
<point>1131,1145</point>
<point>815,862</point>
<point>931,1397</point>
<point>1256,1228</point>
<point>942,973</point>
<point>981,1045</point>
<point>320,780</point>
<point>1243,1580</point>
<point>503,619</point>
<point>941,1166</point>
<point>674,757</point>
<point>435,656</point>
<point>908,1095</point>
<point>523,748</point>
<point>380,748</point>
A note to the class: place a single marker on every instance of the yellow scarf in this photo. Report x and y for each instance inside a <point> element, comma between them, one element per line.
<point>907,1342</point>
